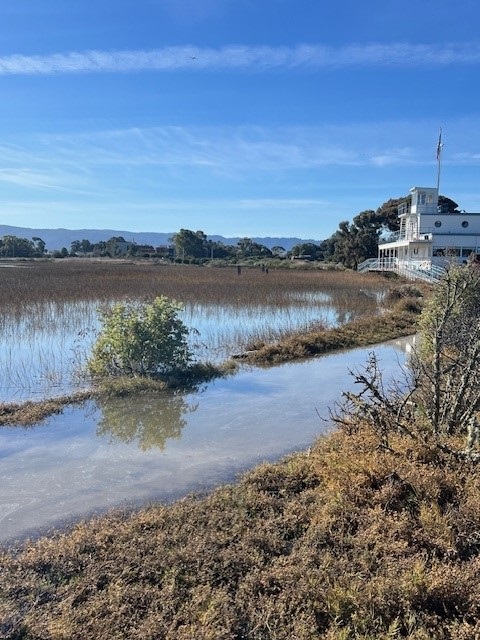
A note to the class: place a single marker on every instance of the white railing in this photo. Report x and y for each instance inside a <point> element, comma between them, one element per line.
<point>412,236</point>
<point>368,265</point>
<point>412,269</point>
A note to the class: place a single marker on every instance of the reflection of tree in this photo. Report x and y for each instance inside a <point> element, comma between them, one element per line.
<point>149,419</point>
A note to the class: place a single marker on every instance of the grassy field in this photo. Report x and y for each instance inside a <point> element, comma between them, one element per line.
<point>44,294</point>
<point>35,293</point>
<point>29,288</point>
<point>58,298</point>
<point>345,541</point>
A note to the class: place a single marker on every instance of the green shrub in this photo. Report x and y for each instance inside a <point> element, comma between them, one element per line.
<point>141,339</point>
<point>439,407</point>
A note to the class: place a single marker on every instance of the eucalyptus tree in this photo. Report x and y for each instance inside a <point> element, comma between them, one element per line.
<point>39,246</point>
<point>248,248</point>
<point>14,247</point>
<point>190,244</point>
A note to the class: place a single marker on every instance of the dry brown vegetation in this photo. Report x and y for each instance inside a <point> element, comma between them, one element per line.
<point>352,539</point>
<point>359,333</point>
<point>345,541</point>
<point>83,279</point>
<point>32,412</point>
<point>403,304</point>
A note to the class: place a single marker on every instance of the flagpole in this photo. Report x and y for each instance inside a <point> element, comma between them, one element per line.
<point>439,159</point>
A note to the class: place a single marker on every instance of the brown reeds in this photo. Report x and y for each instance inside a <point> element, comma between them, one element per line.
<point>346,541</point>
<point>97,280</point>
<point>401,321</point>
<point>33,412</point>
<point>289,313</point>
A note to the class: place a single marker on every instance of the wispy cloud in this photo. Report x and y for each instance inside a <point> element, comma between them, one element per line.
<point>127,161</point>
<point>242,58</point>
<point>35,179</point>
<point>404,155</point>
<point>233,149</point>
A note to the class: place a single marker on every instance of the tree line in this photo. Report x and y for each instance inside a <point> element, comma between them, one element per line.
<point>13,247</point>
<point>350,244</point>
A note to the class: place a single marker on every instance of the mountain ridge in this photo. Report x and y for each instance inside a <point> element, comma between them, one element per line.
<point>57,238</point>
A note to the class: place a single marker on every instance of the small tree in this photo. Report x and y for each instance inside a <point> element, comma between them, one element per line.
<point>141,339</point>
<point>439,404</point>
<point>39,246</point>
<point>308,249</point>
<point>448,365</point>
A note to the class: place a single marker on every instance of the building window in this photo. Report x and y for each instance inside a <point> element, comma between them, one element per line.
<point>453,252</point>
<point>438,223</point>
<point>465,224</point>
<point>439,251</point>
<point>466,251</point>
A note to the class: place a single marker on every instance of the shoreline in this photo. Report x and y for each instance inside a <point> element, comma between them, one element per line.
<point>359,333</point>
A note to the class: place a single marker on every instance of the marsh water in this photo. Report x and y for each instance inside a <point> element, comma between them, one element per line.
<point>44,347</point>
<point>124,453</point>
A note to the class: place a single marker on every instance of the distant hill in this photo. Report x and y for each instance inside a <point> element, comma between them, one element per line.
<point>58,238</point>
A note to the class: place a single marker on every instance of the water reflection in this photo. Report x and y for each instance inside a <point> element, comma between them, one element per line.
<point>44,346</point>
<point>161,447</point>
<point>153,421</point>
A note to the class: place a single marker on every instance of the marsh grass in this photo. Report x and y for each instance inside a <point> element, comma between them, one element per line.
<point>42,346</point>
<point>49,311</point>
<point>33,412</point>
<point>345,541</point>
<point>401,321</point>
<point>342,542</point>
<point>89,280</point>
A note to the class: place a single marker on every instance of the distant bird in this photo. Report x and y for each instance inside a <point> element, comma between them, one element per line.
<point>193,57</point>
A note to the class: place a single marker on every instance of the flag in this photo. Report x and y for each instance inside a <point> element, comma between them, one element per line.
<point>439,145</point>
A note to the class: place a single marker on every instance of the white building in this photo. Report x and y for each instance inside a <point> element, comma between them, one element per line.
<point>429,237</point>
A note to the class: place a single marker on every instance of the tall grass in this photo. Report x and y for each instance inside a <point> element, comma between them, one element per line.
<point>48,311</point>
<point>42,293</point>
<point>42,346</point>
<point>73,280</point>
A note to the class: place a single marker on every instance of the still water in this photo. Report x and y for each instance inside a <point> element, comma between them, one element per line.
<point>126,453</point>
<point>44,347</point>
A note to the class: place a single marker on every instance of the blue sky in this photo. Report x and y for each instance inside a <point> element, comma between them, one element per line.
<point>236,117</point>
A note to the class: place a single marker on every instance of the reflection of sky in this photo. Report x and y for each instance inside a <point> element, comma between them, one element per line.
<point>225,330</point>
<point>40,350</point>
<point>43,350</point>
<point>63,470</point>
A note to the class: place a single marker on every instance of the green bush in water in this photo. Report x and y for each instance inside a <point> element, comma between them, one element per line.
<point>141,339</point>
